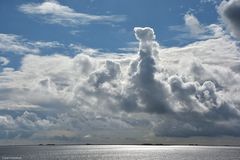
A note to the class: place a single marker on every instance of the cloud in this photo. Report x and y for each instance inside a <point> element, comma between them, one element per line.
<point>18,45</point>
<point>4,61</point>
<point>78,48</point>
<point>151,94</point>
<point>187,91</point>
<point>54,13</point>
<point>132,47</point>
<point>193,29</point>
<point>14,43</point>
<point>210,1</point>
<point>43,44</point>
<point>144,34</point>
<point>193,24</point>
<point>229,12</point>
<point>6,122</point>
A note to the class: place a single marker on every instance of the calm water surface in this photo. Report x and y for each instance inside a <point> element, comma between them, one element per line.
<point>119,152</point>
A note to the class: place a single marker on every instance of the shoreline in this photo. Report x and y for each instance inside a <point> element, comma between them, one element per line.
<point>52,144</point>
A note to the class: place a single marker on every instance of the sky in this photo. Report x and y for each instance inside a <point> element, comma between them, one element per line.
<point>120,72</point>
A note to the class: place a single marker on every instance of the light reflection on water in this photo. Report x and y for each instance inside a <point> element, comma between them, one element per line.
<point>120,152</point>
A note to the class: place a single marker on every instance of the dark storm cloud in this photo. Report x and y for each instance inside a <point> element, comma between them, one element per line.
<point>230,13</point>
<point>149,93</point>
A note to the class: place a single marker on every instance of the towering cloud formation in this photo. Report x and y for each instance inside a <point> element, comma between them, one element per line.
<point>173,92</point>
<point>150,95</point>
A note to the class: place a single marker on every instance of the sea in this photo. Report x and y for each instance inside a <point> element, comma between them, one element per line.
<point>119,152</point>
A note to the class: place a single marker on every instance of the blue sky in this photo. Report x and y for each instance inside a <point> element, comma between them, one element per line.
<point>139,71</point>
<point>155,14</point>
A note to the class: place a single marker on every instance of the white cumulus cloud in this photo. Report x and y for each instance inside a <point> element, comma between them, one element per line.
<point>54,13</point>
<point>171,92</point>
<point>4,61</point>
